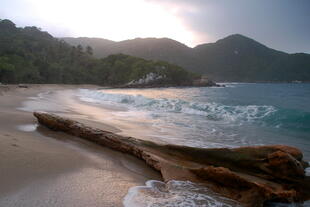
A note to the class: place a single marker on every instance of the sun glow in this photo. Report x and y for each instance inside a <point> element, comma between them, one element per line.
<point>112,19</point>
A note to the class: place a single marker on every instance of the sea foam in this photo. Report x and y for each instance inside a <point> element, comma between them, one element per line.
<point>174,194</point>
<point>210,110</point>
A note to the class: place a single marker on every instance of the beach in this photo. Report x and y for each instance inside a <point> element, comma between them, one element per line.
<point>40,167</point>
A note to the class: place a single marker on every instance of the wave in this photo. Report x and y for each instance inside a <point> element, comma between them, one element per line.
<point>174,194</point>
<point>290,119</point>
<point>212,111</point>
<point>182,194</point>
<point>307,170</point>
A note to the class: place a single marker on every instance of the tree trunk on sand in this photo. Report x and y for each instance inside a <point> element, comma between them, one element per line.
<point>250,175</point>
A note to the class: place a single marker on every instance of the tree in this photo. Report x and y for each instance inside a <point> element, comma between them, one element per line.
<point>28,55</point>
<point>6,70</point>
<point>89,50</point>
<point>79,50</point>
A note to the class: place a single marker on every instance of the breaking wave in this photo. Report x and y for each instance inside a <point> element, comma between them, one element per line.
<point>212,111</point>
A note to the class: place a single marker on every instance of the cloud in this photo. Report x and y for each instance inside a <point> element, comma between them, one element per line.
<point>281,24</point>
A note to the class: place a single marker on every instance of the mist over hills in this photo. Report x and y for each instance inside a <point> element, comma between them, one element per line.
<point>234,58</point>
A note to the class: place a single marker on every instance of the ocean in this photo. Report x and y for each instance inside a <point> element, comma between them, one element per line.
<point>239,114</point>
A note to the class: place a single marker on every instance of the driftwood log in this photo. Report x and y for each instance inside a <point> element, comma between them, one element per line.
<point>250,175</point>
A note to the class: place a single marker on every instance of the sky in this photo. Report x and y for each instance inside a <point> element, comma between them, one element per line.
<point>280,24</point>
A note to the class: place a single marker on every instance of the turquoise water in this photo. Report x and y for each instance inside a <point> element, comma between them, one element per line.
<point>237,115</point>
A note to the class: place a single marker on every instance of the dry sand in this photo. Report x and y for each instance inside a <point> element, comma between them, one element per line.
<point>39,167</point>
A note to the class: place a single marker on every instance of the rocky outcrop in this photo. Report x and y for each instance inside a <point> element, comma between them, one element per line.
<point>204,81</point>
<point>146,80</point>
<point>250,175</point>
<point>162,84</point>
<point>154,80</point>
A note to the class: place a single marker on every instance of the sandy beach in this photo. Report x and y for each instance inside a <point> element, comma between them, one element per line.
<point>39,167</point>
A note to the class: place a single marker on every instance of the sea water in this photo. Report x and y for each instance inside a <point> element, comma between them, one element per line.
<point>239,114</point>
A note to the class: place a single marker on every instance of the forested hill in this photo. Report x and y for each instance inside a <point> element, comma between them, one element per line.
<point>234,58</point>
<point>28,55</point>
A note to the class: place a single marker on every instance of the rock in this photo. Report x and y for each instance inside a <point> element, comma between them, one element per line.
<point>250,175</point>
<point>148,79</point>
<point>153,80</point>
<point>3,89</point>
<point>22,86</point>
<point>205,81</point>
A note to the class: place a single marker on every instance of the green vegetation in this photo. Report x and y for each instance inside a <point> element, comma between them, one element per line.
<point>234,58</point>
<point>238,58</point>
<point>120,69</point>
<point>28,55</point>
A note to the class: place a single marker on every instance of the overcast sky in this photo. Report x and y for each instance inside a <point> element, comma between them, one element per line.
<point>279,24</point>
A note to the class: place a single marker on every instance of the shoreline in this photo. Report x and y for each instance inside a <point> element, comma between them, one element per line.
<point>35,165</point>
<point>57,161</point>
<point>220,169</point>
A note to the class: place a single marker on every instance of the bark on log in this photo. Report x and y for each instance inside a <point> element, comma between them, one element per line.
<point>250,175</point>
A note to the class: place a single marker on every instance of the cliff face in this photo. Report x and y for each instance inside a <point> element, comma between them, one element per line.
<point>250,175</point>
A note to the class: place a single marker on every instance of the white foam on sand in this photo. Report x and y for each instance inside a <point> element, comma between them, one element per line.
<point>27,127</point>
<point>46,101</point>
<point>174,194</point>
<point>307,171</point>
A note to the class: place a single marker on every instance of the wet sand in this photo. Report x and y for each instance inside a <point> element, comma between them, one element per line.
<point>39,167</point>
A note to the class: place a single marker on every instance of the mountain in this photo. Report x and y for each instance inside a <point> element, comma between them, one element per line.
<point>99,45</point>
<point>234,58</point>
<point>29,55</point>
<point>238,58</point>
<point>149,48</point>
